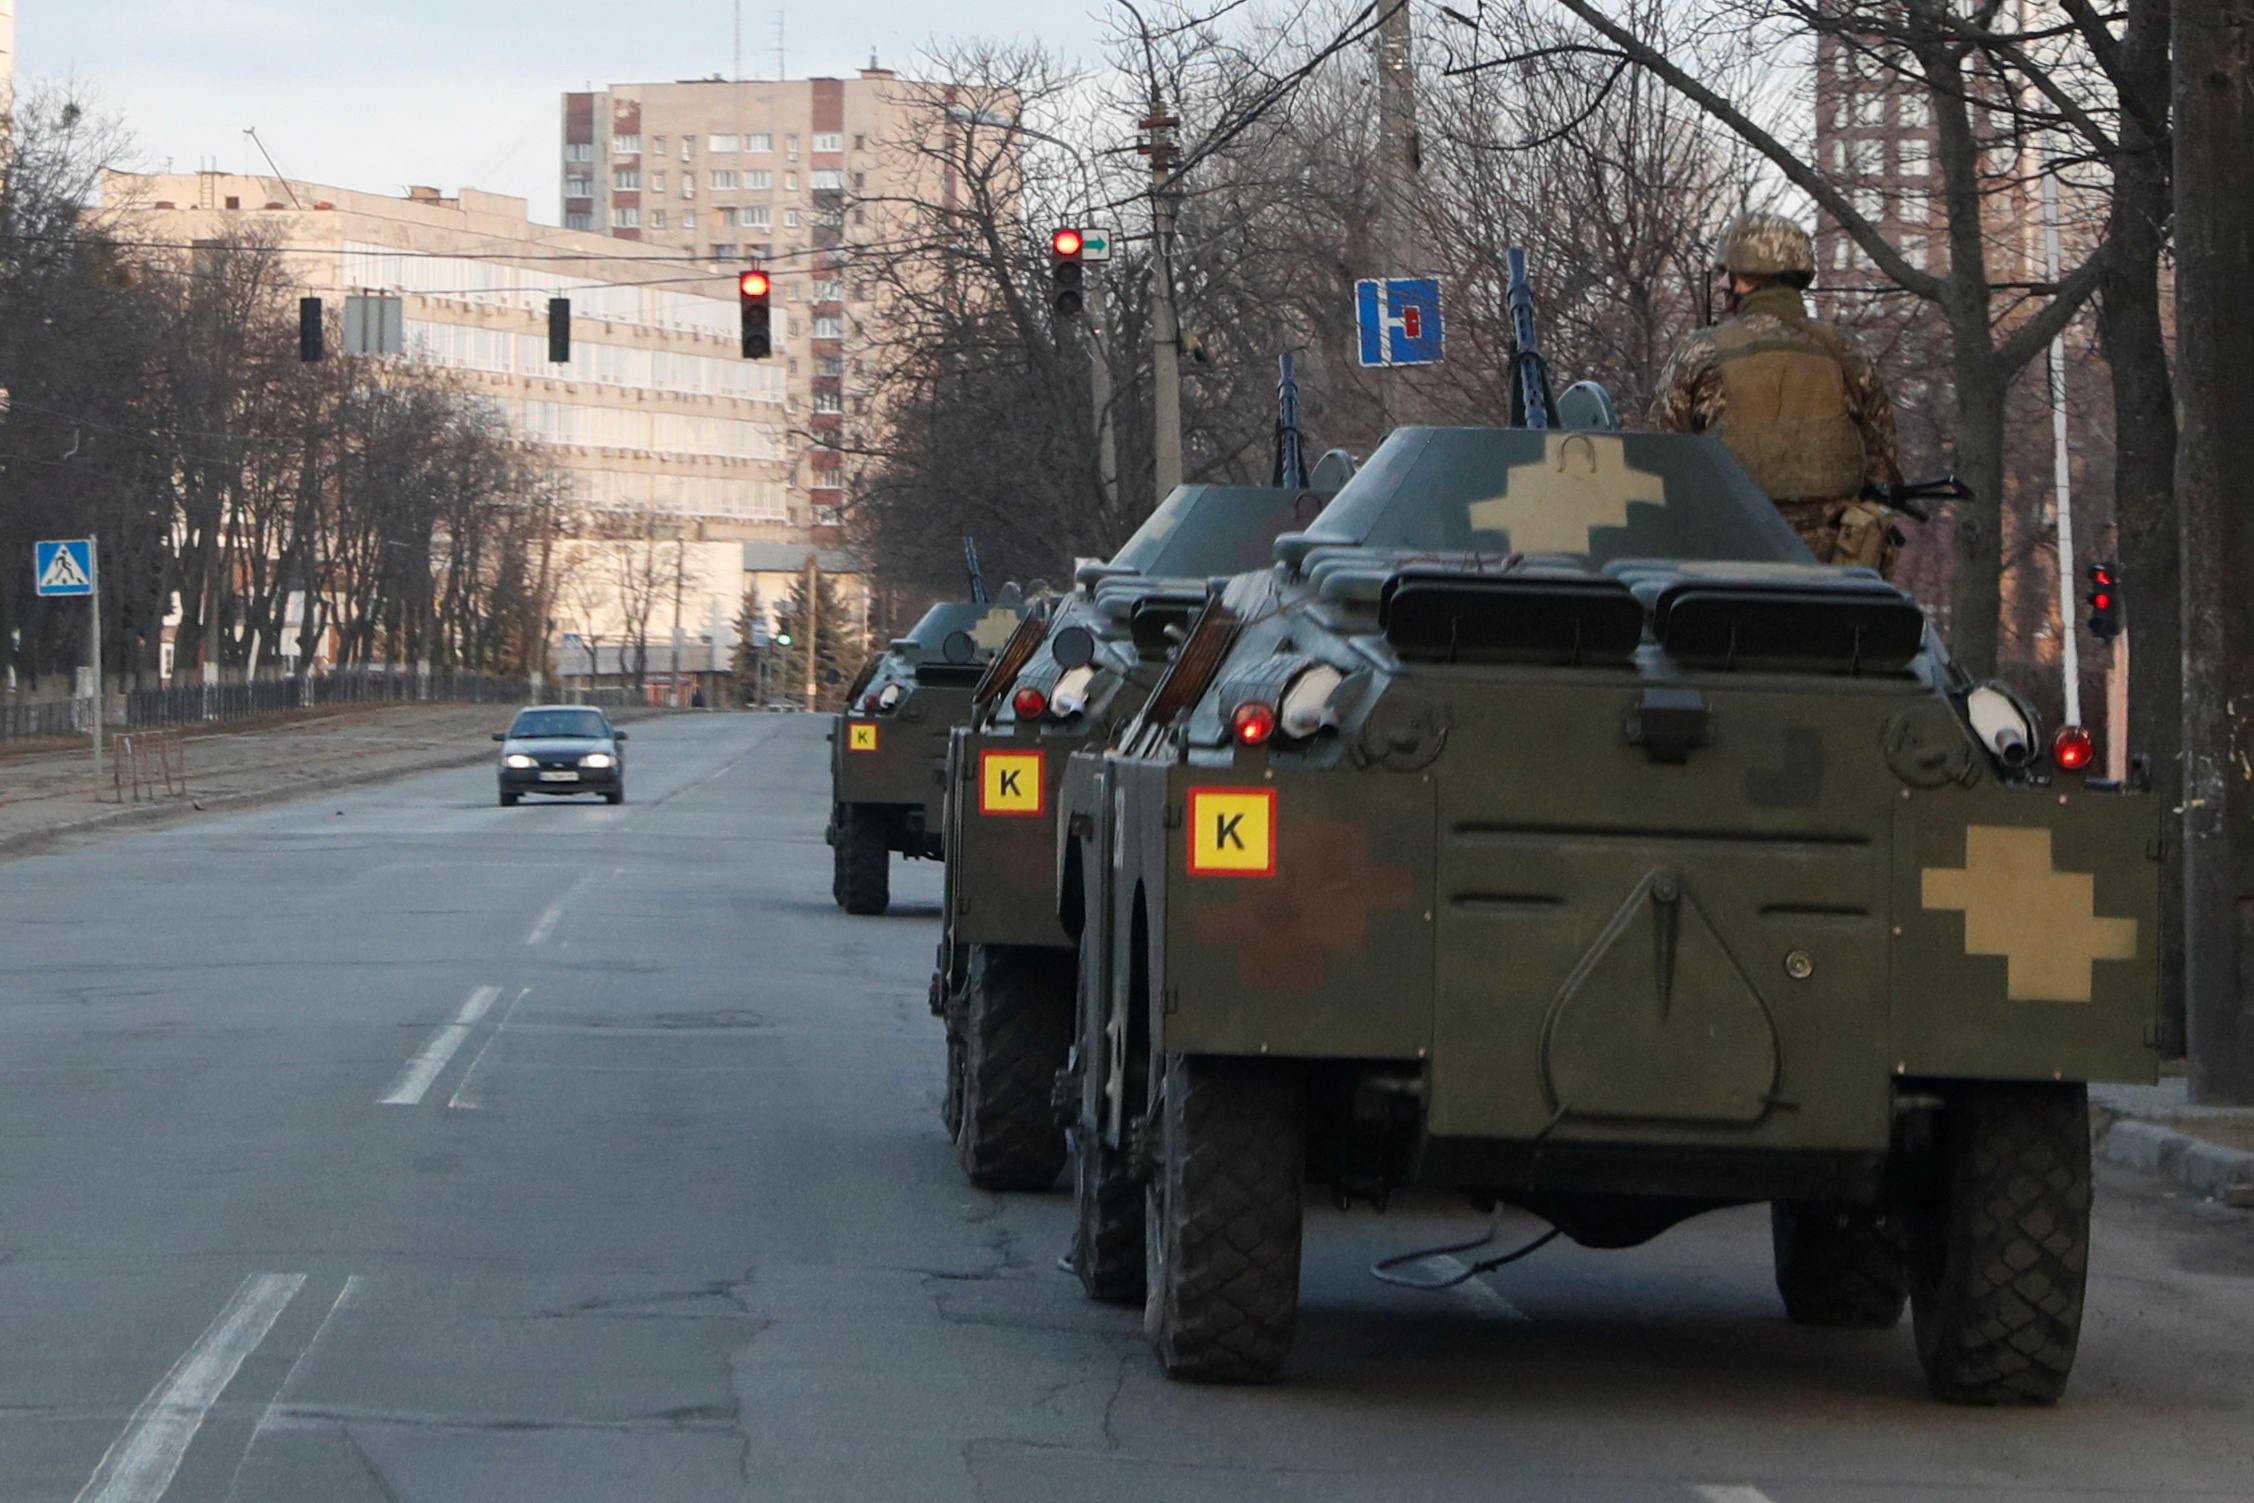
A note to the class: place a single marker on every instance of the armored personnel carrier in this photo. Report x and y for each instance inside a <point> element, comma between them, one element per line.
<point>1545,826</point>
<point>1004,979</point>
<point>888,748</point>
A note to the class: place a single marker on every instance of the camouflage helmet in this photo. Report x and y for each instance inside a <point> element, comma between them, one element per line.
<point>1767,245</point>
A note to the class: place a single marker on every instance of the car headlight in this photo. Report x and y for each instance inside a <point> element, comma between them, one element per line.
<point>597,759</point>
<point>518,759</point>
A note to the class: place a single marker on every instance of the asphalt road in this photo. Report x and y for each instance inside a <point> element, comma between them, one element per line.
<point>402,1147</point>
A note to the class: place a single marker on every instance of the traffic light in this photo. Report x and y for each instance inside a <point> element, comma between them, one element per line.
<point>754,287</point>
<point>559,331</point>
<point>1065,272</point>
<point>2105,600</point>
<point>310,342</point>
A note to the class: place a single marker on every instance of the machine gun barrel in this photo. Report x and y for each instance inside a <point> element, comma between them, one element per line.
<point>970,562</point>
<point>1531,387</point>
<point>1909,496</point>
<point>1291,460</point>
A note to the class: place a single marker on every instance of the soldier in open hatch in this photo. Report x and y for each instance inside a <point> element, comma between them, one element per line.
<point>1797,400</point>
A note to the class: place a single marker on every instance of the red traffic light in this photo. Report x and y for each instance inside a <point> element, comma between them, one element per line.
<point>2073,748</point>
<point>755,284</point>
<point>1066,243</point>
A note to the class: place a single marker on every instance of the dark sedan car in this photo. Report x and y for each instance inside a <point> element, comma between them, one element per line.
<point>562,749</point>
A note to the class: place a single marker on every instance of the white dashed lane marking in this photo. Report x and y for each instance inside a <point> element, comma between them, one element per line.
<point>1728,1493</point>
<point>425,1067</point>
<point>140,1463</point>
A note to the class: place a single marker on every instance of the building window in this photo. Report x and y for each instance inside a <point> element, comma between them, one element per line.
<point>860,217</point>
<point>825,177</point>
<point>1917,158</point>
<point>657,146</point>
<point>627,177</point>
<point>754,217</point>
<point>761,181</point>
<point>626,146</point>
<point>759,141</point>
<point>790,182</point>
<point>723,143</point>
<point>829,140</point>
<point>626,219</point>
<point>830,327</point>
<point>1913,112</point>
<point>790,148</point>
<point>1839,112</point>
<point>760,252</point>
<point>828,401</point>
<point>657,219</point>
<point>860,179</point>
<point>1868,202</point>
<point>688,185</point>
<point>579,221</point>
<point>722,181</point>
<point>1913,250</point>
<point>657,182</point>
<point>1842,254</point>
<point>723,252</point>
<point>580,151</point>
<point>579,187</point>
<point>1837,151</point>
<point>1870,158</point>
<point>829,216</point>
<point>688,147</point>
<point>829,292</point>
<point>1870,109</point>
<point>790,219</point>
<point>829,365</point>
<point>857,146</point>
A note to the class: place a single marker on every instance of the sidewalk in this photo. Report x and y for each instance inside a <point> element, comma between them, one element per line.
<point>47,796</point>
<point>2208,1150</point>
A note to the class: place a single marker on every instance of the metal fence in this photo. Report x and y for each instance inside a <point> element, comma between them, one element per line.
<point>186,703</point>
<point>46,717</point>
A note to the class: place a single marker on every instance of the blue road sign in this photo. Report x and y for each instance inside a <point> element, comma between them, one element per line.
<point>64,568</point>
<point>1399,318</point>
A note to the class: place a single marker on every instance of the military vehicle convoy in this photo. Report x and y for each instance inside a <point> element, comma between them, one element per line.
<point>888,747</point>
<point>1005,975</point>
<point>1545,826</point>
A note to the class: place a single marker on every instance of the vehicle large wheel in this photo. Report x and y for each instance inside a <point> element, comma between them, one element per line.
<point>1107,1220</point>
<point>1016,1033</point>
<point>1999,1243</point>
<point>509,800</point>
<point>864,863</point>
<point>1839,1265</point>
<point>1223,1220</point>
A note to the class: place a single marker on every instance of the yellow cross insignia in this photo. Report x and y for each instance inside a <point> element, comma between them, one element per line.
<point>995,628</point>
<point>1581,482</point>
<point>2042,921</point>
<point>860,735</point>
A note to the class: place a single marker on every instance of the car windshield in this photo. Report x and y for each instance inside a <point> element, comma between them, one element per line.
<point>580,723</point>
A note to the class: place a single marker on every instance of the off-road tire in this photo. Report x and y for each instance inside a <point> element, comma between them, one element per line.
<point>951,1104</point>
<point>1016,1032</point>
<point>1839,1265</point>
<point>509,800</point>
<point>1107,1220</point>
<point>2000,1239</point>
<point>864,862</point>
<point>1223,1220</point>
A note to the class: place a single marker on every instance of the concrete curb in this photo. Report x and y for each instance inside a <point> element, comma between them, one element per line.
<point>2207,1169</point>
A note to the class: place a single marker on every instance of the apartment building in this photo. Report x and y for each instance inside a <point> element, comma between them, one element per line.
<point>790,176</point>
<point>7,50</point>
<point>659,427</point>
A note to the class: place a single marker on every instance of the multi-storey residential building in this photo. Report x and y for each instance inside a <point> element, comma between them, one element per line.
<point>7,50</point>
<point>790,176</point>
<point>657,426</point>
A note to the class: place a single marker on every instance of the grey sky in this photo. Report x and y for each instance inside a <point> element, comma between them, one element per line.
<point>383,93</point>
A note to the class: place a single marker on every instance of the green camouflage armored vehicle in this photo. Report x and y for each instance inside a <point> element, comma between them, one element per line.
<point>1004,981</point>
<point>1545,826</point>
<point>888,749</point>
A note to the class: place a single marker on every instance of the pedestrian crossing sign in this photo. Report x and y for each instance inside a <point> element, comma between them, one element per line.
<point>860,735</point>
<point>1011,783</point>
<point>64,568</point>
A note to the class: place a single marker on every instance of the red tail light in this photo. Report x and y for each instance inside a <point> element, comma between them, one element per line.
<point>1029,703</point>
<point>2073,748</point>
<point>1253,722</point>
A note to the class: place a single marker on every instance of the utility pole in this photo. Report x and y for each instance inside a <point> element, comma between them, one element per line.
<point>1166,328</point>
<point>1099,383</point>
<point>1400,161</point>
<point>2214,161</point>
<point>2062,487</point>
<point>680,561</point>
<point>812,624</point>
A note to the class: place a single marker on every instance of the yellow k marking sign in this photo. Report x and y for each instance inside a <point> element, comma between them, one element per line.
<point>2043,922</point>
<point>1232,832</point>
<point>860,735</point>
<point>1011,783</point>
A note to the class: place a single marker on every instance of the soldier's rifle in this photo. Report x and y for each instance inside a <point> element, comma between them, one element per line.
<point>1909,496</point>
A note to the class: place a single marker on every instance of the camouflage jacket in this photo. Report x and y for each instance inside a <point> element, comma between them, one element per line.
<point>1693,394</point>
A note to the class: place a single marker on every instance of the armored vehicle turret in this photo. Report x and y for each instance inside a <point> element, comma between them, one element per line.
<point>888,748</point>
<point>1004,980</point>
<point>1546,826</point>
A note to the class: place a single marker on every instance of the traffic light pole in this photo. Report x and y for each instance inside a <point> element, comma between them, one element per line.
<point>2062,485</point>
<point>1166,328</point>
<point>1099,383</point>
